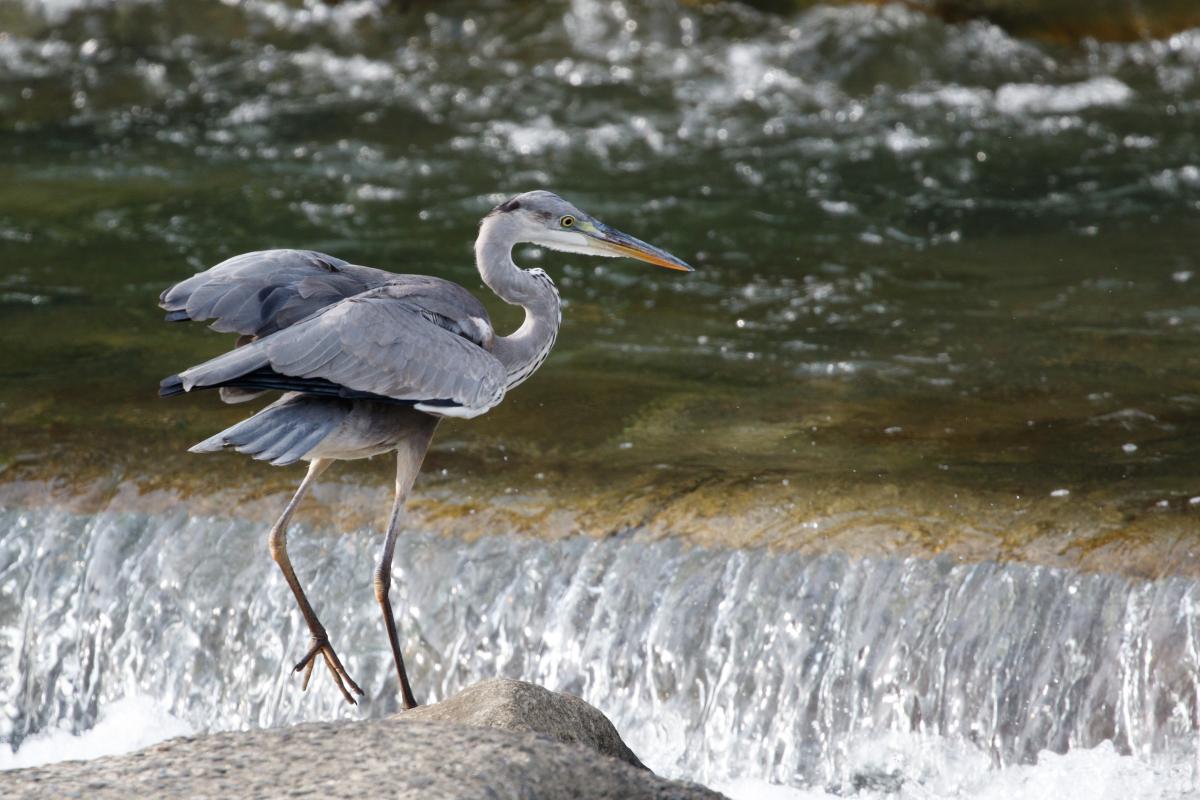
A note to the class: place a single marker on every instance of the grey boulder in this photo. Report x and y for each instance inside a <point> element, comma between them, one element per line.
<point>498,739</point>
<point>528,708</point>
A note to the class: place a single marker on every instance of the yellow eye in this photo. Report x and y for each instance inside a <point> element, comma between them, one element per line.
<point>567,221</point>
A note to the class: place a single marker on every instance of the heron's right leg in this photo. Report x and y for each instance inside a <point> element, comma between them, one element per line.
<point>409,454</point>
<point>320,639</point>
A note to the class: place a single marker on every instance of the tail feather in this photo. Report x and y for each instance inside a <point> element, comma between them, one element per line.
<point>224,368</point>
<point>259,438</point>
<point>232,395</point>
<point>213,444</point>
<point>215,372</point>
<point>283,432</point>
<point>302,447</point>
<point>171,386</point>
<point>278,445</point>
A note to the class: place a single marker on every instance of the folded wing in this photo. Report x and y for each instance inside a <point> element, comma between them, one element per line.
<point>410,339</point>
<point>256,294</point>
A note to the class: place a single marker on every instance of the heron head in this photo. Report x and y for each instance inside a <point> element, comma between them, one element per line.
<point>545,219</point>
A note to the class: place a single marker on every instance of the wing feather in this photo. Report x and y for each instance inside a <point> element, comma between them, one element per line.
<point>259,293</point>
<point>380,343</point>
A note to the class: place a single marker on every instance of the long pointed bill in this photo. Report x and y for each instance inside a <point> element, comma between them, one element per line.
<point>622,244</point>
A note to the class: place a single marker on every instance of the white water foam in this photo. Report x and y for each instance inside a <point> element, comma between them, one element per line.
<point>902,767</point>
<point>131,723</point>
<point>1021,98</point>
<point>760,673</point>
<point>896,767</point>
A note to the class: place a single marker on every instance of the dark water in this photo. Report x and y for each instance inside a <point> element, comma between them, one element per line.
<point>941,271</point>
<point>927,253</point>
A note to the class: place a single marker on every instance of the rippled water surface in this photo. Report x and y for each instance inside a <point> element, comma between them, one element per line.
<point>944,275</point>
<point>927,252</point>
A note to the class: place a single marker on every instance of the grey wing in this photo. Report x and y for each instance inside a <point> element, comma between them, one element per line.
<point>447,305</point>
<point>256,294</point>
<point>382,343</point>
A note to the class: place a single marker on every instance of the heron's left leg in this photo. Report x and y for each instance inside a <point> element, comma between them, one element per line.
<point>320,639</point>
<point>409,455</point>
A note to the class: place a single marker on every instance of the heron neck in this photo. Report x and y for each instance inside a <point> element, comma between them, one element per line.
<point>523,351</point>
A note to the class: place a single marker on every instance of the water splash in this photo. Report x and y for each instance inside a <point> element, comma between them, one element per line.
<point>718,665</point>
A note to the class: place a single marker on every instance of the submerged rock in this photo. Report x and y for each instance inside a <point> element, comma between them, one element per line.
<point>499,738</point>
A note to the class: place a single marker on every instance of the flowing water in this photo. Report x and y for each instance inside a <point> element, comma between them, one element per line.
<point>895,494</point>
<point>927,678</point>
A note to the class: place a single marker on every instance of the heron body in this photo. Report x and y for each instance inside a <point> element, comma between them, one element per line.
<point>369,361</point>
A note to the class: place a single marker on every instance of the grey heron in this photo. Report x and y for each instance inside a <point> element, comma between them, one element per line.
<point>370,361</point>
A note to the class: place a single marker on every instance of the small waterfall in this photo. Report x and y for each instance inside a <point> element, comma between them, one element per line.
<point>717,665</point>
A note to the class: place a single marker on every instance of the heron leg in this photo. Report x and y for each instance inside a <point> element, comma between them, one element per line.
<point>408,463</point>
<point>320,639</point>
<point>383,583</point>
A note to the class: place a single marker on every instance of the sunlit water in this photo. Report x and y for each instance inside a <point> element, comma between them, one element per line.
<point>731,667</point>
<point>928,255</point>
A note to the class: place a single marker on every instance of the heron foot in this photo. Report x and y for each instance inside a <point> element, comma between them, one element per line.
<point>321,646</point>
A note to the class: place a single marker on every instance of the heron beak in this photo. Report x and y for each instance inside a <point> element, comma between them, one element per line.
<point>616,243</point>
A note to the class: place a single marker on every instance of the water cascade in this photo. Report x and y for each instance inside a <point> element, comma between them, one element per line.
<point>721,665</point>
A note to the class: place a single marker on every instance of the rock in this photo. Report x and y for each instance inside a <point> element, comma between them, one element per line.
<point>527,708</point>
<point>521,752</point>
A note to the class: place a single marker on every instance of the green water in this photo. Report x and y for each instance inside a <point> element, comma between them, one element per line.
<point>928,256</point>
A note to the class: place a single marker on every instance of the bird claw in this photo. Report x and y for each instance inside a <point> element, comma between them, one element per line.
<point>320,645</point>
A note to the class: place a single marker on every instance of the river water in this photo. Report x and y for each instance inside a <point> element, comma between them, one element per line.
<point>896,493</point>
<point>741,668</point>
